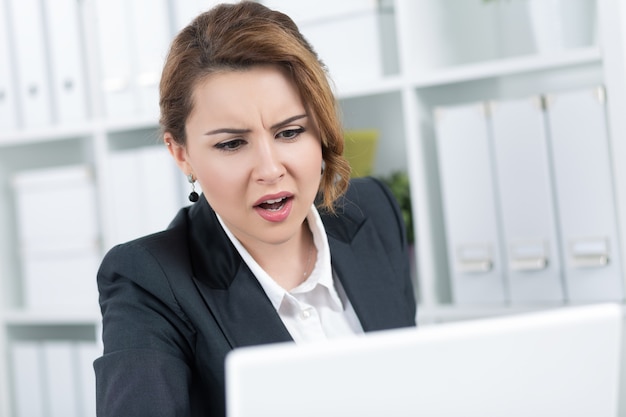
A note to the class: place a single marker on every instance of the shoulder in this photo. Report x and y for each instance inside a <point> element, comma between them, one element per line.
<point>156,242</point>
<point>367,193</point>
<point>138,250</point>
<point>367,199</point>
<point>194,245</point>
<point>146,258</point>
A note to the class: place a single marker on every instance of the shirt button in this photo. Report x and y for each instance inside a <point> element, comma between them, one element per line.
<point>305,314</point>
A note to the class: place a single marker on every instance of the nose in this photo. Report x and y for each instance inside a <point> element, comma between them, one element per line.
<point>268,167</point>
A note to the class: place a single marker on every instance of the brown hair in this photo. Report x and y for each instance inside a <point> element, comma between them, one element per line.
<point>239,36</point>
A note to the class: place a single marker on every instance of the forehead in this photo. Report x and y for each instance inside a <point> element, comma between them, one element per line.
<point>256,83</point>
<point>258,97</point>
<point>244,98</point>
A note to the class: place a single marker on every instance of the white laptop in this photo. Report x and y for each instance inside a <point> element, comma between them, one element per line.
<point>564,362</point>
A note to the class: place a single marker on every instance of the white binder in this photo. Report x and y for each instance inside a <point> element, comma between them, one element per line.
<point>584,189</point>
<point>59,237</point>
<point>470,213</point>
<point>68,81</point>
<point>526,200</point>
<point>150,39</point>
<point>125,202</point>
<point>360,35</point>
<point>333,28</point>
<point>160,188</point>
<point>32,64</point>
<point>8,102</point>
<point>146,191</point>
<point>27,378</point>
<point>60,378</point>
<point>116,68</point>
<point>56,206</point>
<point>61,280</point>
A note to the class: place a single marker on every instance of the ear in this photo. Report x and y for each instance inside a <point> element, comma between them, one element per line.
<point>178,152</point>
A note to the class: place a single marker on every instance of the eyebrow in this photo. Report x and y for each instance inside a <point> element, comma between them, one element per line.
<point>242,131</point>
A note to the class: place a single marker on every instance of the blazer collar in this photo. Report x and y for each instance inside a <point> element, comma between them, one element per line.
<point>356,250</point>
<point>231,292</point>
<point>238,302</point>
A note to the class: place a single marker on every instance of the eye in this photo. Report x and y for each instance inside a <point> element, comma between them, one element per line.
<point>230,145</point>
<point>290,133</point>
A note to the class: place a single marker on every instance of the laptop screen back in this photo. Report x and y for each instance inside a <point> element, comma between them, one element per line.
<point>561,362</point>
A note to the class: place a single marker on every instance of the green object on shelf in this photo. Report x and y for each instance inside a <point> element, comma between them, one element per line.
<point>398,183</point>
<point>360,151</point>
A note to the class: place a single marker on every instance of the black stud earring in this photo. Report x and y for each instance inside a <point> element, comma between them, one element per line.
<point>193,195</point>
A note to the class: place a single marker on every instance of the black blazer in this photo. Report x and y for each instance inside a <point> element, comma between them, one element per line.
<point>176,302</point>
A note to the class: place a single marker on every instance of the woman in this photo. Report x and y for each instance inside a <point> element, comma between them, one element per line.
<point>247,112</point>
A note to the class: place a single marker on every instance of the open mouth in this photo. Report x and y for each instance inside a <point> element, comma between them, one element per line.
<point>274,205</point>
<point>275,208</point>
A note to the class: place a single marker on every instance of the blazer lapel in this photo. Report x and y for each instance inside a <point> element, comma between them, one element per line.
<point>363,276</point>
<point>231,292</point>
<point>243,311</point>
<point>356,248</point>
<point>240,306</point>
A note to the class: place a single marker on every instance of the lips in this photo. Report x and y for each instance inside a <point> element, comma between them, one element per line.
<point>274,208</point>
<point>273,204</point>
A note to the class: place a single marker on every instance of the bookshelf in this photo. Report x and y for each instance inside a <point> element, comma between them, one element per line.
<point>419,55</point>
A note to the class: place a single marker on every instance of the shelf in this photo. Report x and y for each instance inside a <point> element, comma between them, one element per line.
<point>83,129</point>
<point>449,313</point>
<point>47,318</point>
<point>391,84</point>
<point>45,134</point>
<point>132,123</point>
<point>473,72</point>
<point>508,67</point>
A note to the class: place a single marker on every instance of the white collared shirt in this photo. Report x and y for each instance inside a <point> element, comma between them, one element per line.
<point>318,309</point>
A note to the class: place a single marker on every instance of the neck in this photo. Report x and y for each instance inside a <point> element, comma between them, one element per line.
<point>289,263</point>
<point>308,266</point>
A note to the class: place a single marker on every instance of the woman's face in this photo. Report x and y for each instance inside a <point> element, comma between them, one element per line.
<point>255,152</point>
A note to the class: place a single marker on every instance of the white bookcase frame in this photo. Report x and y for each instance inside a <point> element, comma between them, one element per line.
<point>399,104</point>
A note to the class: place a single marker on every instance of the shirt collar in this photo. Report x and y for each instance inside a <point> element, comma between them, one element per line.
<point>322,273</point>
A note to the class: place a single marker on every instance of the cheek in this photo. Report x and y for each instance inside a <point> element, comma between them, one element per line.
<point>218,183</point>
<point>309,164</point>
<point>315,158</point>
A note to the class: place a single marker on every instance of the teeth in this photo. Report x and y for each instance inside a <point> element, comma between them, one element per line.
<point>278,200</point>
